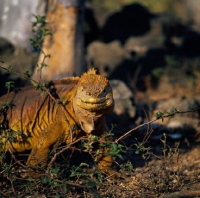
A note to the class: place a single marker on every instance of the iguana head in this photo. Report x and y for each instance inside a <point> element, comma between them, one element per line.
<point>94,92</point>
<point>93,99</point>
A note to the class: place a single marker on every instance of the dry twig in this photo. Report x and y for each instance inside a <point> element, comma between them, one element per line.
<point>147,123</point>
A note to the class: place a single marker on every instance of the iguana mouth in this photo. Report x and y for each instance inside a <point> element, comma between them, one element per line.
<point>94,104</point>
<point>93,100</point>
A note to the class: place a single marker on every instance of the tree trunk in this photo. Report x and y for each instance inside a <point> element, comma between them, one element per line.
<point>65,21</point>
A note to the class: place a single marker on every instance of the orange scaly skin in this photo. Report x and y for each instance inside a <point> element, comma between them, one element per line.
<point>38,123</point>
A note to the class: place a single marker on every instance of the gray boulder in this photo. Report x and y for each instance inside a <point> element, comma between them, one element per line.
<point>16,17</point>
<point>125,109</point>
<point>105,57</point>
<point>140,45</point>
<point>182,121</point>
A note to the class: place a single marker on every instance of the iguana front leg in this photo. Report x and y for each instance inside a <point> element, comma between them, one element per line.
<point>104,161</point>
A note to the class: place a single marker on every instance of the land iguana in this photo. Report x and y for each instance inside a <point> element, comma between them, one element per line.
<point>37,122</point>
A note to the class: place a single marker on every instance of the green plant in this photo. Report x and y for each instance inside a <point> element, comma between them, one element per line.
<point>39,32</point>
<point>170,61</point>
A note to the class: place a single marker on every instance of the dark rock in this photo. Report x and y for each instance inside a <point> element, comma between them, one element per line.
<point>20,61</point>
<point>191,45</point>
<point>91,30</point>
<point>6,47</point>
<point>132,20</point>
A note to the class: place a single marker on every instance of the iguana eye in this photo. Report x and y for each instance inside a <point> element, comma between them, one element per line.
<point>82,89</point>
<point>104,91</point>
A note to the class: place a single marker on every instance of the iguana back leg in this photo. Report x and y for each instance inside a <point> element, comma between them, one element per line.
<point>39,152</point>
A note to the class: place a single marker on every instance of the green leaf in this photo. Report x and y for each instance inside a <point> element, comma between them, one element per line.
<point>137,151</point>
<point>84,164</point>
<point>9,67</point>
<point>27,74</point>
<point>9,84</point>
